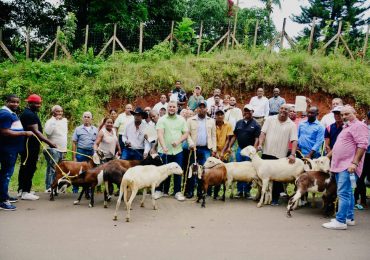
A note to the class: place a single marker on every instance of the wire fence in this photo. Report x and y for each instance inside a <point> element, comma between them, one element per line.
<point>208,35</point>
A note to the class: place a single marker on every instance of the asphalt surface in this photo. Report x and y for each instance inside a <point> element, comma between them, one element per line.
<point>235,229</point>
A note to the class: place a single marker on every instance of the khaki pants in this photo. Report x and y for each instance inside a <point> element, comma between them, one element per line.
<point>260,121</point>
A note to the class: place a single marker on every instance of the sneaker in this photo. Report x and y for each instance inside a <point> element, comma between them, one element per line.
<point>12,199</point>
<point>7,206</point>
<point>48,190</point>
<point>179,196</point>
<point>335,224</point>
<point>274,203</point>
<point>165,195</point>
<point>349,222</point>
<point>157,195</point>
<point>29,196</point>
<point>19,194</point>
<point>238,195</point>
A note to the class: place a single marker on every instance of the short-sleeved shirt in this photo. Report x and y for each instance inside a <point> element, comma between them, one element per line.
<point>28,118</point>
<point>121,122</point>
<point>247,132</point>
<point>332,133</point>
<point>222,133</point>
<point>9,120</point>
<point>174,127</point>
<point>278,135</point>
<point>194,101</point>
<point>310,137</point>
<point>275,103</point>
<point>85,137</point>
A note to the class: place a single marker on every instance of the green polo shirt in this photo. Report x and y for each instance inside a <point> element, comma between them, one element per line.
<point>174,127</point>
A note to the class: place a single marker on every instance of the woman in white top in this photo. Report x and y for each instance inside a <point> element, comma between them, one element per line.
<point>107,140</point>
<point>56,130</point>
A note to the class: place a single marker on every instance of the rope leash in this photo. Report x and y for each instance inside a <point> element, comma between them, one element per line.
<point>186,172</point>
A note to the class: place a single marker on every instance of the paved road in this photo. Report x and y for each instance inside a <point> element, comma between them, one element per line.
<point>178,230</point>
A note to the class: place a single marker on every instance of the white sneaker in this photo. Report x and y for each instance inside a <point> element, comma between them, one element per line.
<point>19,194</point>
<point>349,222</point>
<point>179,196</point>
<point>335,224</point>
<point>157,195</point>
<point>29,196</point>
<point>48,190</point>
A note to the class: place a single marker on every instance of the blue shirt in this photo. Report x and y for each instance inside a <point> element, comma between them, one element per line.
<point>85,138</point>
<point>9,120</point>
<point>332,133</point>
<point>310,137</point>
<point>275,103</point>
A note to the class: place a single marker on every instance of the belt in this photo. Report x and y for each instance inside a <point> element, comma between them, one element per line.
<point>258,117</point>
<point>204,146</point>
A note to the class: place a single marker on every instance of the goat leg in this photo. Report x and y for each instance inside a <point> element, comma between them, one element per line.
<point>204,193</point>
<point>105,195</point>
<point>223,196</point>
<point>153,200</point>
<point>143,198</point>
<point>77,202</point>
<point>92,197</point>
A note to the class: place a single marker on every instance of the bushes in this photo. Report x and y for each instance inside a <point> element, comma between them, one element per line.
<point>88,83</point>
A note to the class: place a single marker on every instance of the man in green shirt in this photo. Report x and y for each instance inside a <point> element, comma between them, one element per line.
<point>172,131</point>
<point>195,99</point>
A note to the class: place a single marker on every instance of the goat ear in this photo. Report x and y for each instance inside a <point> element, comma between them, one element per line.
<point>190,173</point>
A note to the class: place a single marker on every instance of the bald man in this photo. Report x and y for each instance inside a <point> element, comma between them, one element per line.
<point>275,102</point>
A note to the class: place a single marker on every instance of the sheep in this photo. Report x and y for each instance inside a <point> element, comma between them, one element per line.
<point>236,171</point>
<point>272,170</point>
<point>315,181</point>
<point>209,176</point>
<point>115,170</point>
<point>142,177</point>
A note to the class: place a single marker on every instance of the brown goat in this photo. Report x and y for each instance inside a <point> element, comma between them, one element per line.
<point>214,176</point>
<point>315,181</point>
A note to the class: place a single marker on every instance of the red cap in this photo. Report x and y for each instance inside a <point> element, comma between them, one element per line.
<point>34,98</point>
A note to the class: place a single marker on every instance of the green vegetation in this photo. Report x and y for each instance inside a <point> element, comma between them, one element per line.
<point>88,83</point>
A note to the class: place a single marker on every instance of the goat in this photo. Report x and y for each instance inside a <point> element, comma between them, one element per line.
<point>272,170</point>
<point>236,171</point>
<point>115,170</point>
<point>212,176</point>
<point>315,181</point>
<point>142,177</point>
<point>321,164</point>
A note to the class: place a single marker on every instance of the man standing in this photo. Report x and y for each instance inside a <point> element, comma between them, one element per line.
<point>328,119</point>
<point>83,140</point>
<point>11,143</point>
<point>347,163</point>
<point>121,122</point>
<point>172,131</point>
<point>275,102</point>
<point>332,131</point>
<point>201,139</point>
<point>224,134</point>
<point>216,106</point>
<point>233,113</point>
<point>195,99</point>
<point>56,129</point>
<point>179,95</point>
<point>277,132</point>
<point>31,122</point>
<point>162,103</point>
<point>311,134</point>
<point>211,100</point>
<point>260,105</point>
<point>136,146</point>
<point>146,119</point>
<point>246,132</point>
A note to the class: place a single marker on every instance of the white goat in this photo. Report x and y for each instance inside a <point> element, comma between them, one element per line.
<point>272,170</point>
<point>142,177</point>
<point>321,164</point>
<point>236,171</point>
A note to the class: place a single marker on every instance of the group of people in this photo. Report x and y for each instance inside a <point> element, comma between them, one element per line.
<point>184,128</point>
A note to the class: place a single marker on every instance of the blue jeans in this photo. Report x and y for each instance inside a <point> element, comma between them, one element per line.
<point>165,185</point>
<point>241,185</point>
<point>345,196</point>
<point>7,163</point>
<point>81,158</point>
<point>50,168</point>
<point>203,153</point>
<point>132,154</point>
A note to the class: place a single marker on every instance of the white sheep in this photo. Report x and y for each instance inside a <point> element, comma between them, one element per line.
<point>236,171</point>
<point>272,170</point>
<point>142,177</point>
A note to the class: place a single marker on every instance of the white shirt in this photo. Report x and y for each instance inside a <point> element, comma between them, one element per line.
<point>57,132</point>
<point>122,121</point>
<point>261,106</point>
<point>328,119</point>
<point>233,115</point>
<point>136,137</point>
<point>201,132</point>
<point>160,105</point>
<point>211,102</point>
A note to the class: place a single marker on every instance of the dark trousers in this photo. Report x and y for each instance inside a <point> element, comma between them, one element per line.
<point>7,164</point>
<point>132,154</point>
<point>277,187</point>
<point>27,171</point>
<point>242,186</point>
<point>360,191</point>
<point>165,185</point>
<point>121,144</point>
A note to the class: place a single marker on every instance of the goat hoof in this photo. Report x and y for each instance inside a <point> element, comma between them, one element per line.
<point>105,206</point>
<point>142,205</point>
<point>127,219</point>
<point>203,206</point>
<point>259,205</point>
<point>115,218</point>
<point>52,199</point>
<point>155,208</point>
<point>90,205</point>
<point>288,215</point>
<point>76,202</point>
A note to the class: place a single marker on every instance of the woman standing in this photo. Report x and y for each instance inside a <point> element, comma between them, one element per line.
<point>107,140</point>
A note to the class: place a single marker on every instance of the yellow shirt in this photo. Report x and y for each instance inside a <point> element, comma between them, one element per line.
<point>222,134</point>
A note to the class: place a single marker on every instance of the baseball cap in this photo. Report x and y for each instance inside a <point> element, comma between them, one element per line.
<point>249,107</point>
<point>202,102</point>
<point>337,109</point>
<point>34,98</point>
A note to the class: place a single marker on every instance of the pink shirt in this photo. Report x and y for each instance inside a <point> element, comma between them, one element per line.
<point>354,135</point>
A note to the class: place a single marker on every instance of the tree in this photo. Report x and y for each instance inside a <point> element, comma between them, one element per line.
<point>269,6</point>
